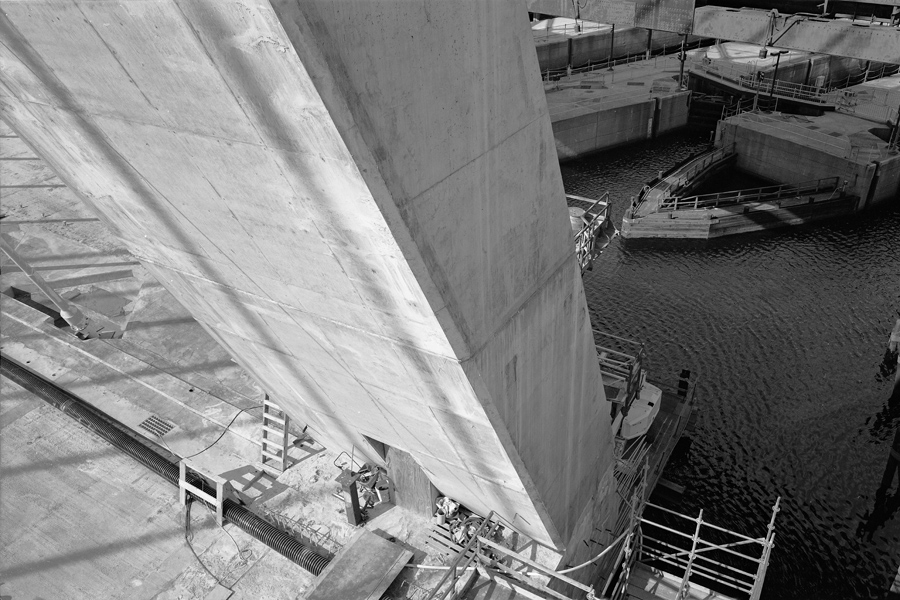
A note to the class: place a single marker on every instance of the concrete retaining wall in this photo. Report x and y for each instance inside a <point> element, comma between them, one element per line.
<point>832,68</point>
<point>621,125</point>
<point>603,129</point>
<point>672,112</point>
<point>553,53</point>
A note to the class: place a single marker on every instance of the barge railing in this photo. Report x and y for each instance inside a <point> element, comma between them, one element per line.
<point>786,89</point>
<point>596,221</point>
<point>621,366</point>
<point>828,184</point>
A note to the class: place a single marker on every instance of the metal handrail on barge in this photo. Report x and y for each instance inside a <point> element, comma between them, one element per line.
<point>596,220</point>
<point>695,165</point>
<point>827,184</point>
<point>621,366</point>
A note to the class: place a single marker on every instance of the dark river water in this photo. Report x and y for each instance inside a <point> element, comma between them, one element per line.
<point>787,331</point>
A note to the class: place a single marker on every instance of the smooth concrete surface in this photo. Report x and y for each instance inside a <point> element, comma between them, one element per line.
<point>78,519</point>
<point>385,248</point>
<point>597,110</point>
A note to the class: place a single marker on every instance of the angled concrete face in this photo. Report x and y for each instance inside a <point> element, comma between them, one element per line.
<point>360,201</point>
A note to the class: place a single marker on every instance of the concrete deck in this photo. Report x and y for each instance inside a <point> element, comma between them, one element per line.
<point>600,109</point>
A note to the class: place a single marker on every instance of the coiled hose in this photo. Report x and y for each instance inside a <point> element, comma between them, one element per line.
<point>117,434</point>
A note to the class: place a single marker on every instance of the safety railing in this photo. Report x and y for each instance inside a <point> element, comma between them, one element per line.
<point>463,561</point>
<point>827,184</point>
<point>884,70</point>
<point>621,360</point>
<point>786,89</point>
<point>665,54</point>
<point>702,163</point>
<point>686,549</point>
<point>597,231</point>
<point>616,583</point>
<point>482,551</point>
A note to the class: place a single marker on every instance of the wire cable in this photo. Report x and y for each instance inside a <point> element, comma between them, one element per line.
<point>189,535</point>
<point>221,435</point>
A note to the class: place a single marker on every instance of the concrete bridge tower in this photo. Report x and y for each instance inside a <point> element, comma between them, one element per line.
<point>361,201</point>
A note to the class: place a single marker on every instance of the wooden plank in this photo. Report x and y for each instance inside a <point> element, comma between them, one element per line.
<point>362,570</point>
<point>412,488</point>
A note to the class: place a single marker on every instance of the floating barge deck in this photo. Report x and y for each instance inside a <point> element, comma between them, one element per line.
<point>665,210</point>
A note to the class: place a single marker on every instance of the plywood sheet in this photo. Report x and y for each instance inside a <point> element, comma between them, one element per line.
<point>363,570</point>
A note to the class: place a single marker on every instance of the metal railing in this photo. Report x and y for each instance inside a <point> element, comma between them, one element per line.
<point>827,184</point>
<point>597,225</point>
<point>702,163</point>
<point>483,552</point>
<point>786,89</point>
<point>667,53</point>
<point>460,565</point>
<point>885,70</point>
<point>727,563</point>
<point>875,104</point>
<point>620,365</point>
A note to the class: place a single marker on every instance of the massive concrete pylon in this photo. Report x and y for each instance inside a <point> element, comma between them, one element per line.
<point>361,201</point>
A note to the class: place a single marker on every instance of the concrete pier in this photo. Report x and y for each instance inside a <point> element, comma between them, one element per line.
<point>385,248</point>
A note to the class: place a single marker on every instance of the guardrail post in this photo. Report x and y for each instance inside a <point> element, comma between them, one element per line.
<point>685,582</point>
<point>767,551</point>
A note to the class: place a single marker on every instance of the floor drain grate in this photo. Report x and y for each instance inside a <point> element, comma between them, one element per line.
<point>156,426</point>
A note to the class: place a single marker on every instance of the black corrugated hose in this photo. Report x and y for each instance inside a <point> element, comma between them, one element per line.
<point>154,459</point>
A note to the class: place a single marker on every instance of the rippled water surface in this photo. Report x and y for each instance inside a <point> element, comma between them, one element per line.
<point>787,331</point>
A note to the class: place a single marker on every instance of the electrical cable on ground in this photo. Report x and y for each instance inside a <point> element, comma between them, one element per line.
<point>189,535</point>
<point>221,435</point>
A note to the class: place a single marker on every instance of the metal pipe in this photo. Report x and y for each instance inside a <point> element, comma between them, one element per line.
<point>775,74</point>
<point>71,313</point>
<point>118,435</point>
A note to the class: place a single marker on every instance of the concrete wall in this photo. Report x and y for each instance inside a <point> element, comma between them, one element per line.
<point>361,202</point>
<point>594,46</point>
<point>672,112</point>
<point>611,127</point>
<point>805,71</point>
